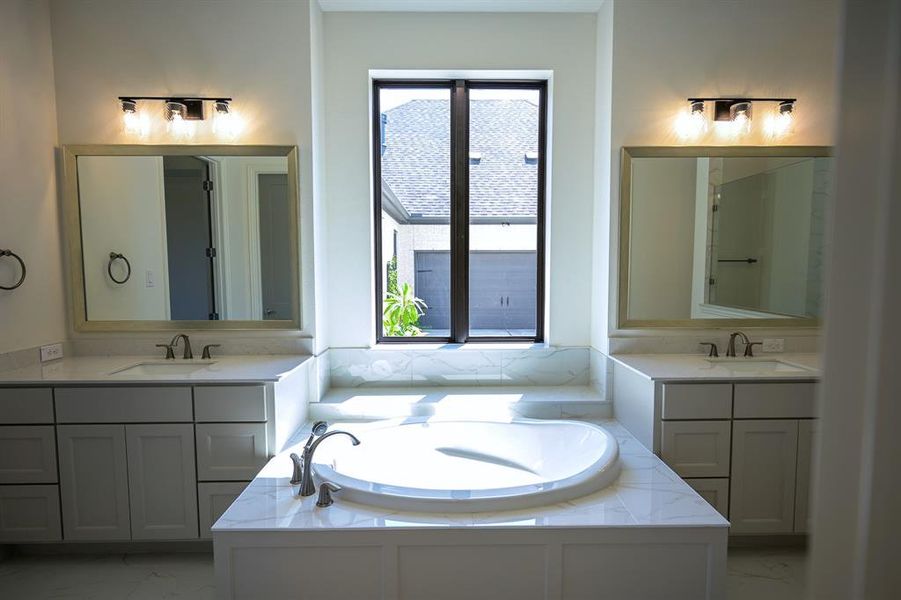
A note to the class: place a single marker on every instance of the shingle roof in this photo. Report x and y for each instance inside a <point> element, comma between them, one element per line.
<point>416,160</point>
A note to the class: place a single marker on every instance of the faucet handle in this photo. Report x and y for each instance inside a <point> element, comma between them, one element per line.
<point>297,476</point>
<point>749,348</point>
<point>206,350</point>
<point>170,353</point>
<point>325,494</point>
<point>714,351</point>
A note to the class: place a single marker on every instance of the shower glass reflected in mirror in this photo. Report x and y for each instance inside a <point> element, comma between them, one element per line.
<point>187,237</point>
<point>713,234</point>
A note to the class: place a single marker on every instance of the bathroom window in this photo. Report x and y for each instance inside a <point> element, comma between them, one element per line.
<point>459,170</point>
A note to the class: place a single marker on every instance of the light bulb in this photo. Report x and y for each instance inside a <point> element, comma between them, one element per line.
<point>134,122</point>
<point>226,123</point>
<point>780,123</point>
<point>739,122</point>
<point>178,125</point>
<point>692,124</point>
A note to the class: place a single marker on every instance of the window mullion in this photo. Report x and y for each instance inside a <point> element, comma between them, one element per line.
<point>459,222</point>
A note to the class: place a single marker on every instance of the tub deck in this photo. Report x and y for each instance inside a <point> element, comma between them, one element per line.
<point>648,535</point>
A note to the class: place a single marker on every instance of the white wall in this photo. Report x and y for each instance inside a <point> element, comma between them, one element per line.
<point>34,314</point>
<point>358,42</point>
<point>664,52</point>
<point>257,53</point>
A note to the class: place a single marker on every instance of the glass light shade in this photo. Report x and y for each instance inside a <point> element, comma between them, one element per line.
<point>179,127</point>
<point>135,123</point>
<point>691,124</point>
<point>779,124</point>
<point>227,124</point>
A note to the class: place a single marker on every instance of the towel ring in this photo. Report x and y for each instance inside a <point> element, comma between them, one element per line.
<point>12,254</point>
<point>109,267</point>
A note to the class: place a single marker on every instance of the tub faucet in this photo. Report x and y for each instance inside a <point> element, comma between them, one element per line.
<point>730,349</point>
<point>307,488</point>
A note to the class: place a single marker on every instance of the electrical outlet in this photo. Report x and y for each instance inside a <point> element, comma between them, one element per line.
<point>773,345</point>
<point>51,352</point>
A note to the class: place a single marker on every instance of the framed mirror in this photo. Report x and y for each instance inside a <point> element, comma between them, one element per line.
<point>183,237</point>
<point>722,236</point>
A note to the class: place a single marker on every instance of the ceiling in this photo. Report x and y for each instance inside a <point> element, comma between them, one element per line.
<point>461,5</point>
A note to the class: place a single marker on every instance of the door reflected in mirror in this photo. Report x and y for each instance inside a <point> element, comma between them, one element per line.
<point>724,236</point>
<point>187,237</point>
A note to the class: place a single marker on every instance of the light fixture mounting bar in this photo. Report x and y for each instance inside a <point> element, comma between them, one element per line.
<point>741,99</point>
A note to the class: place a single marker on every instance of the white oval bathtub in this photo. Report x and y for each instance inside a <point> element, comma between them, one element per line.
<point>470,466</point>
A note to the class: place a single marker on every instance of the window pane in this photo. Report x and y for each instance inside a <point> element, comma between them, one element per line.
<point>415,169</point>
<point>503,211</point>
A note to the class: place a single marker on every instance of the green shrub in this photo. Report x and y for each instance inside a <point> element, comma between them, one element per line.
<point>401,312</point>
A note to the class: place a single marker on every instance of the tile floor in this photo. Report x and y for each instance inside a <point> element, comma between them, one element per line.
<point>754,574</point>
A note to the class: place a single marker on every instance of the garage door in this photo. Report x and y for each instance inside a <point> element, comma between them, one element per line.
<point>502,291</point>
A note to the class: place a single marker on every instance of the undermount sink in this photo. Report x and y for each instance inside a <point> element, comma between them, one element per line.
<point>755,365</point>
<point>164,368</point>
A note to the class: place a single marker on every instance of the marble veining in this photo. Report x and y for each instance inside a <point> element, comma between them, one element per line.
<point>647,493</point>
<point>453,364</point>
<point>99,369</point>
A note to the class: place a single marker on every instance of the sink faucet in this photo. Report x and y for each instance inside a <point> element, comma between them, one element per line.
<point>730,349</point>
<point>307,488</point>
<point>174,343</point>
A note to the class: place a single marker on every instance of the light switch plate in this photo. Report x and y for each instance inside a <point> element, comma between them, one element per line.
<point>51,352</point>
<point>773,345</point>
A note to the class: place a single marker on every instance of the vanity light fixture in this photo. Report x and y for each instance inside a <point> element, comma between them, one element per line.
<point>134,122</point>
<point>732,116</point>
<point>180,113</point>
<point>780,123</point>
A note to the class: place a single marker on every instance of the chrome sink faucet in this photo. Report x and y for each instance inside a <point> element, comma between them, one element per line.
<point>189,354</point>
<point>730,349</point>
<point>305,463</point>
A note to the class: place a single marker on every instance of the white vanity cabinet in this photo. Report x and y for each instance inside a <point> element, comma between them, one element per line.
<point>743,445</point>
<point>127,462</point>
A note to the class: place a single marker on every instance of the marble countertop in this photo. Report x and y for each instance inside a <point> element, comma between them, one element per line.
<point>647,494</point>
<point>672,367</point>
<point>102,370</point>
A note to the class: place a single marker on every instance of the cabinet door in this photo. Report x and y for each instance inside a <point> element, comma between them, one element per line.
<point>29,513</point>
<point>93,478</point>
<point>213,500</point>
<point>715,491</point>
<point>27,454</point>
<point>807,433</point>
<point>162,484</point>
<point>764,456</point>
<point>696,448</point>
<point>230,451</point>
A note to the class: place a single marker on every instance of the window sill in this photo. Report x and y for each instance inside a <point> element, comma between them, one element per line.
<point>468,346</point>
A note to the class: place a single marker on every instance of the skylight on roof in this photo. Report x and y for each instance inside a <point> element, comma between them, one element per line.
<point>475,157</point>
<point>531,157</point>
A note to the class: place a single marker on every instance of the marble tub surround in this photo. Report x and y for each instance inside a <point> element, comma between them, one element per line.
<point>647,493</point>
<point>664,367</point>
<point>101,370</point>
<point>398,365</point>
<point>498,402</point>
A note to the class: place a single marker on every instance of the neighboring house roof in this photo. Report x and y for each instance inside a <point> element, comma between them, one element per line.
<point>502,183</point>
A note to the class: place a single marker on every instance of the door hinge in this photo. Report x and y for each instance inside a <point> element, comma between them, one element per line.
<point>207,185</point>
<point>214,316</point>
<point>211,252</point>
<point>711,281</point>
<point>716,207</point>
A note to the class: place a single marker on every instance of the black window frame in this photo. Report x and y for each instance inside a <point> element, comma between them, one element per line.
<point>459,213</point>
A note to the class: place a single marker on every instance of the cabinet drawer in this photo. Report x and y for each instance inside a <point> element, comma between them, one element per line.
<point>213,500</point>
<point>715,491</point>
<point>26,406</point>
<point>224,403</point>
<point>697,401</point>
<point>27,454</point>
<point>124,405</point>
<point>230,451</point>
<point>29,513</point>
<point>775,400</point>
<point>696,448</point>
